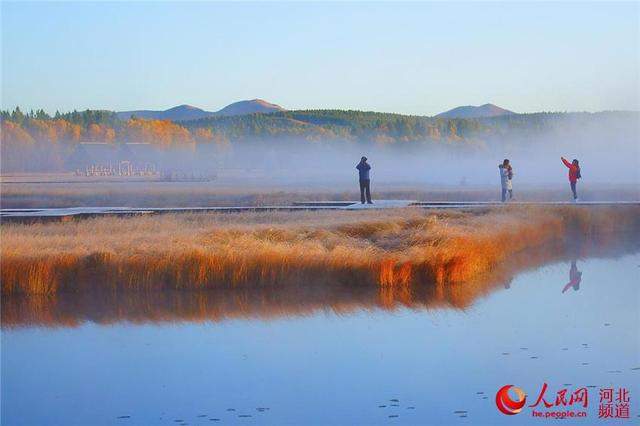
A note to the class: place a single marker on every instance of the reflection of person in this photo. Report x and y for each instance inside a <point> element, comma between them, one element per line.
<point>575,277</point>
<point>504,178</point>
<point>365,182</point>
<point>507,283</point>
<point>574,175</point>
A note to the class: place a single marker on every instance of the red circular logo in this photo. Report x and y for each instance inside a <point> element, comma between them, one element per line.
<point>506,404</point>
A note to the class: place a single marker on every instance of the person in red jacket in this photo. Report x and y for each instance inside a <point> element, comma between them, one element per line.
<point>574,175</point>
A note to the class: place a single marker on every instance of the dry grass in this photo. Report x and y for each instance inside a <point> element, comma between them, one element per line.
<point>284,300</point>
<point>261,302</point>
<point>376,248</point>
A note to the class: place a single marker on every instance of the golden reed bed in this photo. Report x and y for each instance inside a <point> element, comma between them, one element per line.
<point>387,249</point>
<point>284,300</point>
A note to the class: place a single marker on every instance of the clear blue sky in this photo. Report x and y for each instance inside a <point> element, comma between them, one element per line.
<point>408,58</point>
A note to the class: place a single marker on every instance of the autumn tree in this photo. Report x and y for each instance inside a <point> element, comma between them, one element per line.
<point>17,148</point>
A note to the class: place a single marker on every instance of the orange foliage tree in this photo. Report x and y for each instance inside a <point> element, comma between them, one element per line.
<point>36,144</point>
<point>17,147</point>
<point>166,134</point>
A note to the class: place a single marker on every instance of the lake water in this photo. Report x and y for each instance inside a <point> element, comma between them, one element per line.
<point>321,357</point>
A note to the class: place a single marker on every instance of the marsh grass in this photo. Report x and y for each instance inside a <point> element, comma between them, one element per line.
<point>283,300</point>
<point>387,249</point>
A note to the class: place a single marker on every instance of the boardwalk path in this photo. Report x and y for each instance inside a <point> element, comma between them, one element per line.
<point>20,215</point>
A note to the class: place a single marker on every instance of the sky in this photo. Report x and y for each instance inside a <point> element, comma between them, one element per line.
<point>411,58</point>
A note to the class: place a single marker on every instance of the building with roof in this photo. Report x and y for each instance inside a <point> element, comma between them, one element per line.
<point>115,159</point>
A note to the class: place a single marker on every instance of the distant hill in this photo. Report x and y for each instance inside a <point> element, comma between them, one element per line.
<point>188,112</point>
<point>470,111</point>
<point>179,113</point>
<point>250,107</point>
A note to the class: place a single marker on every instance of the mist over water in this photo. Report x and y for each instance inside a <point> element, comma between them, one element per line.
<point>608,150</point>
<point>290,167</point>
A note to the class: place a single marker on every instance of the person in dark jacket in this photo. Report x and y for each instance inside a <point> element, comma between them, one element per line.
<point>365,181</point>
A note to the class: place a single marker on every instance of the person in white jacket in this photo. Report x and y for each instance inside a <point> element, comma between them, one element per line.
<point>510,181</point>
<point>504,178</point>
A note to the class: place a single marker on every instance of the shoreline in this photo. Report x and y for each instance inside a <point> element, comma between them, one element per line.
<point>274,302</point>
<point>383,248</point>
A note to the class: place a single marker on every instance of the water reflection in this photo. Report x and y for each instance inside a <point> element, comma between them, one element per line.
<point>276,301</point>
<point>575,277</point>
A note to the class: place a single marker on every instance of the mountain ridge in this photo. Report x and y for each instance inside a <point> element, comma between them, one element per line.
<point>187,112</point>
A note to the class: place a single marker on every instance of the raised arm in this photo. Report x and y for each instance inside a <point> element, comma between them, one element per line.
<point>566,163</point>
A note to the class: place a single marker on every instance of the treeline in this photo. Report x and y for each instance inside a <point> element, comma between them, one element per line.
<point>82,118</point>
<point>386,128</point>
<point>36,140</point>
<point>338,125</point>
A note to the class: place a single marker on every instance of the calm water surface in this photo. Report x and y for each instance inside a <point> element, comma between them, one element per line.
<point>338,364</point>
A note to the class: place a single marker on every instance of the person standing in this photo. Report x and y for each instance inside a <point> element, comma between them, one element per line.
<point>504,178</point>
<point>365,181</point>
<point>574,175</point>
<point>510,180</point>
